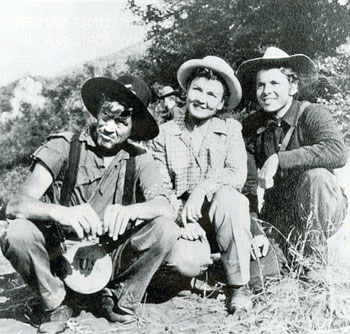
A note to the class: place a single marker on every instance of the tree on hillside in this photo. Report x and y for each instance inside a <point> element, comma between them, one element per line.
<point>236,30</point>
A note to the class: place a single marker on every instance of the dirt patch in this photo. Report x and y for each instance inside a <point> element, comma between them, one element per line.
<point>188,312</point>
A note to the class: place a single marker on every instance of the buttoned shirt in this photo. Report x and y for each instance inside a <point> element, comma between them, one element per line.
<point>97,184</point>
<point>315,143</point>
<point>220,161</point>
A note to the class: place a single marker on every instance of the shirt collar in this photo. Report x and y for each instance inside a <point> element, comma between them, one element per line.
<point>128,149</point>
<point>86,135</point>
<point>290,116</point>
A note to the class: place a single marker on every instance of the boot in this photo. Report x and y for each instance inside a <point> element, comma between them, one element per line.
<point>55,321</point>
<point>240,298</point>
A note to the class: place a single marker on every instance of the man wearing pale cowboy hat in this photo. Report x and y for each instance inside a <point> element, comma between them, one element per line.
<point>295,145</point>
<point>202,158</point>
<point>140,234</point>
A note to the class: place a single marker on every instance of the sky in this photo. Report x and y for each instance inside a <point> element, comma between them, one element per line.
<point>46,37</point>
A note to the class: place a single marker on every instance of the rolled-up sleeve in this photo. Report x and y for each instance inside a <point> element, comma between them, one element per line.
<point>53,154</point>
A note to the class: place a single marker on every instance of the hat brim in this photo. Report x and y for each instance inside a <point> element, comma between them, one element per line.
<point>301,64</point>
<point>232,82</point>
<point>94,90</point>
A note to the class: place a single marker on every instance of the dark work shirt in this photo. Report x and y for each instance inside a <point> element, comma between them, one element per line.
<point>315,143</point>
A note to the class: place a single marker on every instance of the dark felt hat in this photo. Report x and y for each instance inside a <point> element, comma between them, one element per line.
<point>128,90</point>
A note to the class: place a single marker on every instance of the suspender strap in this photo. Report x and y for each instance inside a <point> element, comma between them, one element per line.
<point>70,176</point>
<point>128,193</point>
<point>288,135</point>
<point>286,139</point>
<point>72,171</point>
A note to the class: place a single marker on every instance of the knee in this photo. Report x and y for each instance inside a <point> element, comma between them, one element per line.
<point>317,177</point>
<point>229,197</point>
<point>23,234</point>
<point>163,234</point>
<point>233,204</point>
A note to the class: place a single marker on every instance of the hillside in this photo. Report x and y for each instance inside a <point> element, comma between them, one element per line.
<point>114,62</point>
<point>117,60</point>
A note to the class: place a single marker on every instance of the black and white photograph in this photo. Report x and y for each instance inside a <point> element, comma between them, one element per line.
<point>175,166</point>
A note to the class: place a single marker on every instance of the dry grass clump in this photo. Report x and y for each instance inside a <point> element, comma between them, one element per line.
<point>285,306</point>
<point>288,304</point>
<point>313,296</point>
<point>316,300</point>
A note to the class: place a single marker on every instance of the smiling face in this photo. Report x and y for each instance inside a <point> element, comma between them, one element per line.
<point>275,90</point>
<point>113,126</point>
<point>204,98</point>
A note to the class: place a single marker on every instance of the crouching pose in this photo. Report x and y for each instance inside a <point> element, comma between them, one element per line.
<point>296,145</point>
<point>202,158</point>
<point>140,234</point>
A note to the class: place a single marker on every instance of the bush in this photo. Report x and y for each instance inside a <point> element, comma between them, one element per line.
<point>334,87</point>
<point>11,180</point>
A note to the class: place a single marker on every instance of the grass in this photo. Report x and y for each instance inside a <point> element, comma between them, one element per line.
<point>289,304</point>
<point>286,304</point>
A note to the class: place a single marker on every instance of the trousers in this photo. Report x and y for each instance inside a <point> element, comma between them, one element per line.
<point>29,247</point>
<point>310,206</point>
<point>228,228</point>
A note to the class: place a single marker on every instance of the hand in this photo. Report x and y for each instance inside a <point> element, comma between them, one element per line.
<point>268,171</point>
<point>260,246</point>
<point>116,219</point>
<point>193,207</point>
<point>82,218</point>
<point>85,255</point>
<point>193,231</point>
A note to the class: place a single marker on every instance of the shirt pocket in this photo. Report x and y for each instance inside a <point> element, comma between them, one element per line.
<point>88,175</point>
<point>216,157</point>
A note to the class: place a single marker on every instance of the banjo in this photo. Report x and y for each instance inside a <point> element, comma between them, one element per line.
<point>88,266</point>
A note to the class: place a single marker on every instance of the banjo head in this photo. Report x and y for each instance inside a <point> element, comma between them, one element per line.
<point>89,267</point>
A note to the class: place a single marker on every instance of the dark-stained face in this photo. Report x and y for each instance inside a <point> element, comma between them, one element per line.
<point>113,126</point>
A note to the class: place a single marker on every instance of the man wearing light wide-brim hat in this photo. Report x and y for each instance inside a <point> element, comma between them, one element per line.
<point>296,145</point>
<point>202,159</point>
<point>110,175</point>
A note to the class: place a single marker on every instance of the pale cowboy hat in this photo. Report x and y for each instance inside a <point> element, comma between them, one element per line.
<point>274,57</point>
<point>219,66</point>
<point>129,91</point>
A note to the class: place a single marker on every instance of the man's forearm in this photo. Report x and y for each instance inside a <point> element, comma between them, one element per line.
<point>152,209</point>
<point>23,206</point>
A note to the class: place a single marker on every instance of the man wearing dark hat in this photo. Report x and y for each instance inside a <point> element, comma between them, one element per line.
<point>140,234</point>
<point>295,145</point>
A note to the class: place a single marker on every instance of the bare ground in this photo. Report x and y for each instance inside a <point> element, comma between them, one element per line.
<point>285,305</point>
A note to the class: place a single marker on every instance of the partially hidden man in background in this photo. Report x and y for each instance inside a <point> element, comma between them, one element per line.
<point>202,158</point>
<point>97,205</point>
<point>296,145</point>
